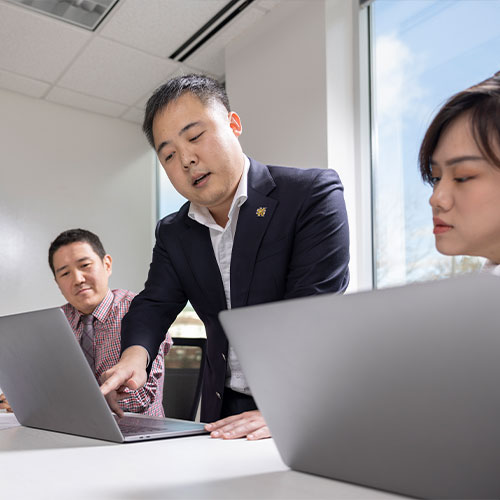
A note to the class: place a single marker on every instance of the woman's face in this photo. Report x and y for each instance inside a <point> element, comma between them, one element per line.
<point>466,195</point>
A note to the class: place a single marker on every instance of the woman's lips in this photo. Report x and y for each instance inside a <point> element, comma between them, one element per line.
<point>440,226</point>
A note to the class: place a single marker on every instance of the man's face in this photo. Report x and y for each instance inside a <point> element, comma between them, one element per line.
<point>198,147</point>
<point>81,275</point>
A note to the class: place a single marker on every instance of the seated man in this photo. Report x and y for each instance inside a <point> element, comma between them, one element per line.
<point>81,269</point>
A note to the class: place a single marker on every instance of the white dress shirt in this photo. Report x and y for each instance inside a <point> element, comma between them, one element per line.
<point>222,242</point>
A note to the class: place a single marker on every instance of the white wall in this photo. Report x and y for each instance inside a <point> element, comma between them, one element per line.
<point>276,81</point>
<point>62,168</point>
<point>294,80</point>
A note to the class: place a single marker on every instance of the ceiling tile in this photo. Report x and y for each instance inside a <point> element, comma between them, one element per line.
<point>134,115</point>
<point>81,101</point>
<point>163,26</point>
<point>23,85</point>
<point>180,70</point>
<point>35,45</point>
<point>210,57</point>
<point>112,71</point>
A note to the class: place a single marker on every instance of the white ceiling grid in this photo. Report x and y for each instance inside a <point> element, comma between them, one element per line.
<point>164,24</point>
<point>113,70</point>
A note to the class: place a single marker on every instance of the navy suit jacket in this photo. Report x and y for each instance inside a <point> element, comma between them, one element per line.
<point>291,240</point>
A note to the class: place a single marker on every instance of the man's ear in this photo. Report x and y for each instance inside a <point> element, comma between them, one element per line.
<point>235,123</point>
<point>108,264</point>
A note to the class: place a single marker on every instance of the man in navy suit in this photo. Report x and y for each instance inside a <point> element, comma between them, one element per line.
<point>250,233</point>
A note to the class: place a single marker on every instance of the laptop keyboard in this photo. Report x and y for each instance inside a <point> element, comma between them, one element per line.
<point>139,425</point>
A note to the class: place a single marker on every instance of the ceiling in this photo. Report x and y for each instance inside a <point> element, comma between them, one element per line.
<point>114,69</point>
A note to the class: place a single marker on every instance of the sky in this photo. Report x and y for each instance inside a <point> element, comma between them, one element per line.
<point>423,52</point>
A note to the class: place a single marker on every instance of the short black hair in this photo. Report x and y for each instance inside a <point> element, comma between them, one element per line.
<point>202,86</point>
<point>482,103</point>
<point>75,236</point>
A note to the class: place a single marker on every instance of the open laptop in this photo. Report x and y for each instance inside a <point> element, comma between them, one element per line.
<point>396,389</point>
<point>50,385</point>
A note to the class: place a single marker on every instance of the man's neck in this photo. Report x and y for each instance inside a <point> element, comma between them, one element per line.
<point>96,307</point>
<point>221,212</point>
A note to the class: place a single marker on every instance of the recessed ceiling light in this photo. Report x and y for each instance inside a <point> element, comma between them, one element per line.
<point>84,13</point>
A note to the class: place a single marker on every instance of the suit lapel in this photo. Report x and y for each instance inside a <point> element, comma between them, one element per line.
<point>199,251</point>
<point>253,221</point>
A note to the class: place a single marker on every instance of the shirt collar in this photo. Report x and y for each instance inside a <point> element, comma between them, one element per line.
<point>203,215</point>
<point>101,311</point>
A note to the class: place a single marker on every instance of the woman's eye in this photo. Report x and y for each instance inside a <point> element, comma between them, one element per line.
<point>434,180</point>
<point>462,179</point>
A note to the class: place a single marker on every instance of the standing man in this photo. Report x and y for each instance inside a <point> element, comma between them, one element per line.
<point>250,233</point>
<point>82,268</point>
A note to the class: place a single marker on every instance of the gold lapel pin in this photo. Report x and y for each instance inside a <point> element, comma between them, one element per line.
<point>261,211</point>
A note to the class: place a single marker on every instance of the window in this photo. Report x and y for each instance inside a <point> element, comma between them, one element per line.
<point>423,51</point>
<point>187,324</point>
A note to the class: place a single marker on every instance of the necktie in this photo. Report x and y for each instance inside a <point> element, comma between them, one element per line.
<point>87,340</point>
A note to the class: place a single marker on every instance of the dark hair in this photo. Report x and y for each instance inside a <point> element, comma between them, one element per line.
<point>482,103</point>
<point>203,87</point>
<point>75,236</point>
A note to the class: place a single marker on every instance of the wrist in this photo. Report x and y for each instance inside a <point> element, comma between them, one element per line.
<point>136,355</point>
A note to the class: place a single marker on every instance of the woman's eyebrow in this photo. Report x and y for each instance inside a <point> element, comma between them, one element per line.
<point>458,159</point>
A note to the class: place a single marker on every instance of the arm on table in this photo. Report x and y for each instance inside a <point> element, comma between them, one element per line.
<point>4,404</point>
<point>250,424</point>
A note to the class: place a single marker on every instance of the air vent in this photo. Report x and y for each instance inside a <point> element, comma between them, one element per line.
<point>87,14</point>
<point>209,29</point>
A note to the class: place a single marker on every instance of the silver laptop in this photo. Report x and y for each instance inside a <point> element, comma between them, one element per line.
<point>397,389</point>
<point>49,384</point>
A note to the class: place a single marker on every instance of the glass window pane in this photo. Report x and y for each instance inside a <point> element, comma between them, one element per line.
<point>423,52</point>
<point>169,200</point>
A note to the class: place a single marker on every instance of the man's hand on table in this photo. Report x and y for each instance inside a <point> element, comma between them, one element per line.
<point>4,404</point>
<point>129,372</point>
<point>250,424</point>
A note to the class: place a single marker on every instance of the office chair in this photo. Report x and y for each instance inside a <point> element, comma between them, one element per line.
<point>184,366</point>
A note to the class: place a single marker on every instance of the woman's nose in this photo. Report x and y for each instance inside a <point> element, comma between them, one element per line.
<point>441,198</point>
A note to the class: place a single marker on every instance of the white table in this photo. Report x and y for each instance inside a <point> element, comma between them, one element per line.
<point>38,464</point>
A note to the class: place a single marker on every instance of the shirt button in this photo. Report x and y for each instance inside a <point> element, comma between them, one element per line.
<point>223,356</point>
<point>218,395</point>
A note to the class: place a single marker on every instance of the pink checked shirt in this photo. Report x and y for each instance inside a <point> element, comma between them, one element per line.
<point>107,326</point>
